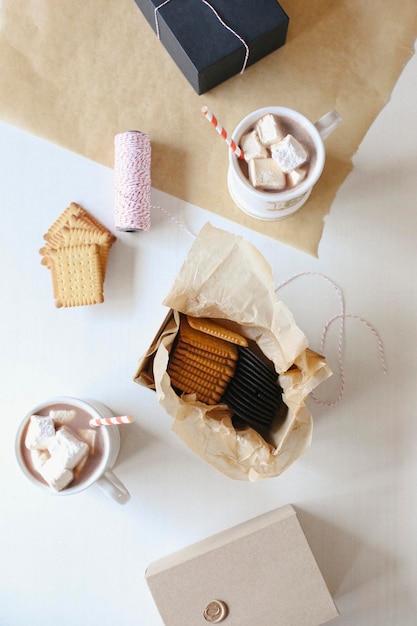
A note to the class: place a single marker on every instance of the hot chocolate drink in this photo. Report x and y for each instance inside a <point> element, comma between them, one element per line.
<point>279,153</point>
<point>59,448</point>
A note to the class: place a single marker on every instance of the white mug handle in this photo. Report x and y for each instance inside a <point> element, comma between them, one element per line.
<point>113,487</point>
<point>327,123</point>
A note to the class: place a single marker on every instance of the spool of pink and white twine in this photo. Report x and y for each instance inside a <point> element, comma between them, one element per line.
<point>132,181</point>
<point>111,421</point>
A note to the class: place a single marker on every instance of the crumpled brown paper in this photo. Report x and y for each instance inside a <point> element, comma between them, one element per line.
<point>77,73</point>
<point>226,278</point>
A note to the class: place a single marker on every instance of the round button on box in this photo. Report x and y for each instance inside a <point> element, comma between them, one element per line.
<point>215,612</point>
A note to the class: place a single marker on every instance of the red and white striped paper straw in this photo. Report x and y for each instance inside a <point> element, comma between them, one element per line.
<point>111,421</point>
<point>223,133</point>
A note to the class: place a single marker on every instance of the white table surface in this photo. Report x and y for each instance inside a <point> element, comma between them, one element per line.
<point>82,560</point>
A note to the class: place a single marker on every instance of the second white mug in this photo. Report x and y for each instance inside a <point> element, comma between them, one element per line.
<point>102,474</point>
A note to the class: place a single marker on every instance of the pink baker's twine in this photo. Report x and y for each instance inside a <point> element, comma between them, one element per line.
<point>342,317</point>
<point>175,220</point>
<point>132,181</point>
<point>223,23</point>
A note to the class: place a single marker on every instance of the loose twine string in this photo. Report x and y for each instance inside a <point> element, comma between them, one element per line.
<point>222,22</point>
<point>175,220</point>
<point>342,316</point>
<point>341,337</point>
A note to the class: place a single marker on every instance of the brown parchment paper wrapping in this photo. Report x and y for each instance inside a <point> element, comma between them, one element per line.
<point>77,73</point>
<point>226,278</point>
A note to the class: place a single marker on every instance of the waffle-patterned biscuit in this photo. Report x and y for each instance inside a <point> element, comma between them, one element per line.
<point>200,352</point>
<point>206,325</point>
<point>208,343</point>
<point>186,386</point>
<point>207,377</point>
<point>204,362</point>
<point>77,275</point>
<point>205,373</point>
<point>202,383</point>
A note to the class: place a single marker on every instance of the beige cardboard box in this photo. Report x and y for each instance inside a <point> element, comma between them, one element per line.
<point>259,573</point>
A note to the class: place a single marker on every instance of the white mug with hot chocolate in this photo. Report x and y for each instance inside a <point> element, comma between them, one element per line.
<point>60,452</point>
<point>284,158</point>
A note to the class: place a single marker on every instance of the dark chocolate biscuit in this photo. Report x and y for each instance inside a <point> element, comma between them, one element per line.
<point>254,394</point>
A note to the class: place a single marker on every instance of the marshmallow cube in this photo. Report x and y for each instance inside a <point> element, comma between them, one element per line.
<point>268,129</point>
<point>55,474</point>
<point>252,146</point>
<point>89,436</point>
<point>66,449</point>
<point>79,468</point>
<point>289,153</point>
<point>266,174</point>
<point>296,176</point>
<point>39,458</point>
<point>40,432</point>
<point>62,416</point>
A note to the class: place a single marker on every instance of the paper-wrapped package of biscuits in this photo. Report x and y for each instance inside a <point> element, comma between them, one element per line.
<point>230,365</point>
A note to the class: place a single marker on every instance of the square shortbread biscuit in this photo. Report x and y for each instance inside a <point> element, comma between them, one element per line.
<point>77,276</point>
<point>68,236</point>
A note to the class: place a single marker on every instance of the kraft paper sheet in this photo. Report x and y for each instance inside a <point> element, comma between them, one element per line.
<point>226,278</point>
<point>77,73</point>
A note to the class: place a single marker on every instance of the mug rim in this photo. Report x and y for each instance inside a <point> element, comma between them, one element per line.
<point>101,468</point>
<point>304,186</point>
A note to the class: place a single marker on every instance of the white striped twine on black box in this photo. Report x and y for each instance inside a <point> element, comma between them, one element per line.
<point>132,181</point>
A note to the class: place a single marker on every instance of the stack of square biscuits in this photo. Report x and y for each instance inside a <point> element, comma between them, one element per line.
<point>76,253</point>
<point>203,360</point>
<point>217,366</point>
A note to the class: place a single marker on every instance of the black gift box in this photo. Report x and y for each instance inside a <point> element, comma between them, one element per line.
<point>201,42</point>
